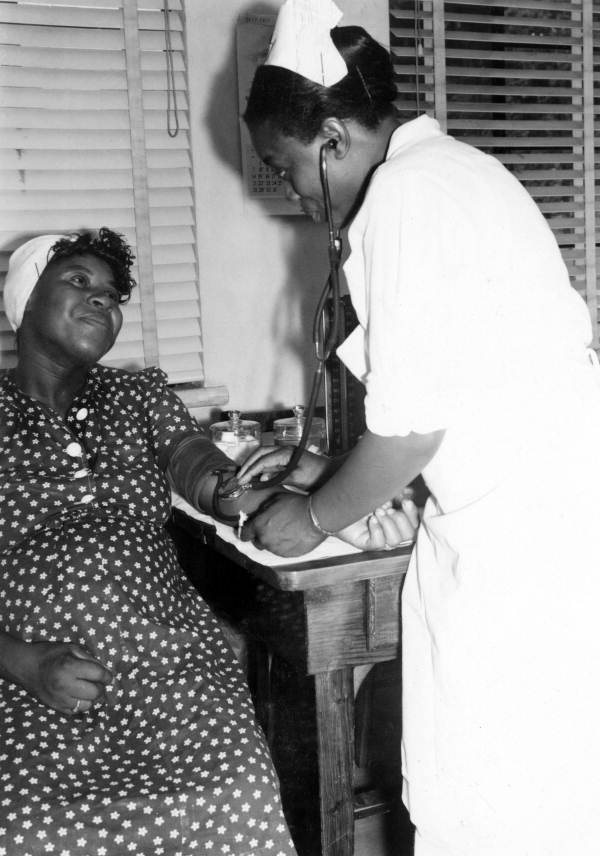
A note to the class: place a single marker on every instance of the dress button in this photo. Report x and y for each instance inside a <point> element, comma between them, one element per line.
<point>81,474</point>
<point>81,413</point>
<point>74,450</point>
<point>87,498</point>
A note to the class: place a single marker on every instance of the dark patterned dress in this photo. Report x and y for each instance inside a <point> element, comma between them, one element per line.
<point>172,763</point>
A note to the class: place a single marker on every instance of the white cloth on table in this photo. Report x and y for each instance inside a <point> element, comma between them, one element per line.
<point>327,549</point>
<point>468,323</point>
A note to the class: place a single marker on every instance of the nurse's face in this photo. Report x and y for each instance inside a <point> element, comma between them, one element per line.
<point>297,164</point>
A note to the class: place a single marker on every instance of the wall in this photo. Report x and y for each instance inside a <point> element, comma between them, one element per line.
<point>260,276</point>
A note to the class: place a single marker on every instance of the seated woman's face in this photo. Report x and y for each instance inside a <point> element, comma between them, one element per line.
<point>73,313</point>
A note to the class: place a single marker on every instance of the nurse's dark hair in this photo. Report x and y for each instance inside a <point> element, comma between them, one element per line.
<point>296,107</point>
<point>106,245</point>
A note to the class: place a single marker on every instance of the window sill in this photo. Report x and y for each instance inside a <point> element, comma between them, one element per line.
<point>201,396</point>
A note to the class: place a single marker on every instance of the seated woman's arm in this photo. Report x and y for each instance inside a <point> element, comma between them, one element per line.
<point>192,464</point>
<point>190,459</point>
<point>59,674</point>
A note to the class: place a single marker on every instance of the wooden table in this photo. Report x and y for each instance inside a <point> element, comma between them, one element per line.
<point>325,618</point>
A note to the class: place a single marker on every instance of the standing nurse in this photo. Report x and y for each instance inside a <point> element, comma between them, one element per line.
<point>473,348</point>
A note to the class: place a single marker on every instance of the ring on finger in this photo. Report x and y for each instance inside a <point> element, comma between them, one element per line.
<point>75,709</point>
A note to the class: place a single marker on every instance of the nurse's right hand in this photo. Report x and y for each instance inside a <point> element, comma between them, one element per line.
<point>269,460</point>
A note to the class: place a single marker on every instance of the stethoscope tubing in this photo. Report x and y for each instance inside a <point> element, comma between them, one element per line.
<point>324,342</point>
<point>323,350</point>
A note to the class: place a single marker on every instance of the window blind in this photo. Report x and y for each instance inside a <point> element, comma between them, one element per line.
<point>518,79</point>
<point>94,132</point>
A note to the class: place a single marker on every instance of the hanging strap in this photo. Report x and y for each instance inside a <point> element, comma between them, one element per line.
<point>140,183</point>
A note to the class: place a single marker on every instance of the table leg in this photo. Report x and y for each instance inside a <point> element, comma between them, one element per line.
<point>259,680</point>
<point>335,734</point>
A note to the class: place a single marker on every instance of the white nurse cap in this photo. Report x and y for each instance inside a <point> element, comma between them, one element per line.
<point>301,41</point>
<point>25,267</point>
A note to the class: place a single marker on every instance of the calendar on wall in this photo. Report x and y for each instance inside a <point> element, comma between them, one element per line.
<point>261,184</point>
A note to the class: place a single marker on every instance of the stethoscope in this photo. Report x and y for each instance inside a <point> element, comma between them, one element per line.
<point>325,339</point>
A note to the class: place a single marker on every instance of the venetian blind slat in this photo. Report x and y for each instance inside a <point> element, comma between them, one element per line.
<point>51,57</point>
<point>66,38</point>
<point>143,5</point>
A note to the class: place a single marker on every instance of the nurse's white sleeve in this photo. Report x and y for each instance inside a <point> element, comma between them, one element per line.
<point>424,306</point>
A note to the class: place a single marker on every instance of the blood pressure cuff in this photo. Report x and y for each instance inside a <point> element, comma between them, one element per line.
<point>191,461</point>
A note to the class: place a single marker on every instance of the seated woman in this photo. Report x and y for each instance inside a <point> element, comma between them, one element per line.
<point>126,722</point>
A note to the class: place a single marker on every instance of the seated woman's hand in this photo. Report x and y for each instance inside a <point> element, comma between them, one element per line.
<point>63,676</point>
<point>383,529</point>
<point>283,526</point>
<point>269,460</point>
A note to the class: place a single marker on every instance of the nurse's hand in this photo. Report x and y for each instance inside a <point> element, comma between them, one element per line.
<point>284,527</point>
<point>385,528</point>
<point>268,460</point>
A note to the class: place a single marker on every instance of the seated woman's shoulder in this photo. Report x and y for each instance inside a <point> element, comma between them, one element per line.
<point>144,385</point>
<point>152,376</point>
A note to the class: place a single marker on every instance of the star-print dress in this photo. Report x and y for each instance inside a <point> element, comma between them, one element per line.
<point>172,763</point>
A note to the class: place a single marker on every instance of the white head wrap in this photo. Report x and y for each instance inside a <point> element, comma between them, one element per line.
<point>301,41</point>
<point>25,267</point>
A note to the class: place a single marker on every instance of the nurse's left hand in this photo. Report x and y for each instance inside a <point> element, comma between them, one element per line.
<point>385,528</point>
<point>283,526</point>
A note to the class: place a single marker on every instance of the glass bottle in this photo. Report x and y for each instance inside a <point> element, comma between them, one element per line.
<point>237,437</point>
<point>287,432</point>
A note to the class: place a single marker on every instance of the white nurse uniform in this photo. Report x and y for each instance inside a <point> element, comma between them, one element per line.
<point>468,323</point>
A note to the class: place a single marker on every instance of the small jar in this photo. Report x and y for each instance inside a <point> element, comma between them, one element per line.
<point>287,432</point>
<point>237,437</point>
